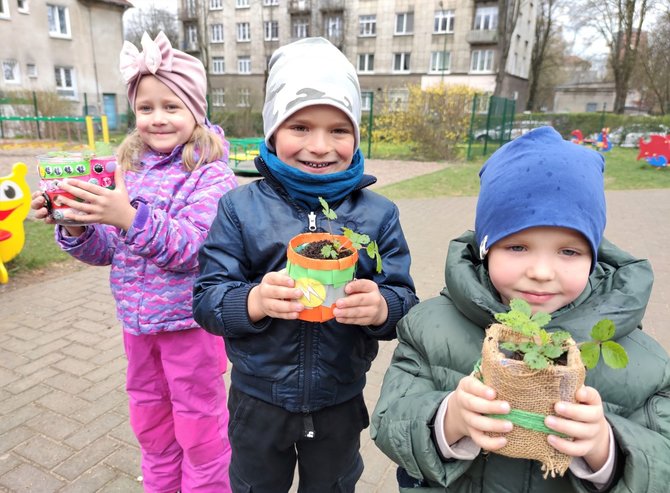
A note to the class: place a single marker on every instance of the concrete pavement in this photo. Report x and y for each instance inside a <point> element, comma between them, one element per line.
<point>63,408</point>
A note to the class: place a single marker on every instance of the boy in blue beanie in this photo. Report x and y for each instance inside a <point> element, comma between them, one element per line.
<point>538,236</point>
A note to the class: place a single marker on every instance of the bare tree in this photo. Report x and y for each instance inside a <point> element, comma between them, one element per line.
<point>619,23</point>
<point>655,62</point>
<point>508,15</point>
<point>545,31</point>
<point>151,20</point>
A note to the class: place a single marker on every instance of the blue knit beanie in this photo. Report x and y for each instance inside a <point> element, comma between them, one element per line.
<point>540,179</point>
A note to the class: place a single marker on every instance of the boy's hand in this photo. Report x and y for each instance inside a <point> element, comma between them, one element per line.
<point>466,415</point>
<point>276,296</point>
<point>585,422</point>
<point>363,305</point>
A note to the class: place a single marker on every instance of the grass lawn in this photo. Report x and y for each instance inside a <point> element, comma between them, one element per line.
<point>622,172</point>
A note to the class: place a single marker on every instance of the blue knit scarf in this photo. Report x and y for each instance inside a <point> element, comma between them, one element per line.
<point>306,188</point>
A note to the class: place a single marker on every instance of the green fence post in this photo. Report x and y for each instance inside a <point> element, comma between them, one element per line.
<point>37,114</point>
<point>472,123</point>
<point>372,98</point>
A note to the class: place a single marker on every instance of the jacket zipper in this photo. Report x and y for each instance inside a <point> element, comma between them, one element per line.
<point>311,216</point>
<point>312,221</point>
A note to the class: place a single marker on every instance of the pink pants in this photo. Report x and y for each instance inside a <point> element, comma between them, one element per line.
<point>178,410</point>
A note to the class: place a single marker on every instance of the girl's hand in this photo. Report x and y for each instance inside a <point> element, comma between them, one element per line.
<point>100,205</point>
<point>39,204</point>
<point>363,305</point>
<point>466,415</point>
<point>585,422</point>
<point>276,296</point>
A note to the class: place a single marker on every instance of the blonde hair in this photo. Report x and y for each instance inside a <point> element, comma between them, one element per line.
<point>204,146</point>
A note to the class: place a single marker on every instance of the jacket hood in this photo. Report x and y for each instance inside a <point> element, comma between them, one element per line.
<point>618,289</point>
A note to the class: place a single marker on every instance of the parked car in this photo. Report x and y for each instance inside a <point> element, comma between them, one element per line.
<point>629,135</point>
<point>518,128</point>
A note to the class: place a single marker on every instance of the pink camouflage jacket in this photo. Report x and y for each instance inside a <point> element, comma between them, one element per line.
<point>154,264</point>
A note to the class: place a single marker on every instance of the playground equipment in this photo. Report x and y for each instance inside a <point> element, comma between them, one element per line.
<point>14,207</point>
<point>601,142</point>
<point>656,151</point>
<point>242,154</point>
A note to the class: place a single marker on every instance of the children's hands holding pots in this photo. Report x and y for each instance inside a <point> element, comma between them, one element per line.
<point>100,205</point>
<point>363,305</point>
<point>276,296</point>
<point>585,422</point>
<point>466,415</point>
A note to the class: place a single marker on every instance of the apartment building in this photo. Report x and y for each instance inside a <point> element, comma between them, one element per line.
<point>392,43</point>
<point>66,46</point>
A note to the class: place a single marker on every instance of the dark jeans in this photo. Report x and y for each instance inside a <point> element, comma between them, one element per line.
<point>267,441</point>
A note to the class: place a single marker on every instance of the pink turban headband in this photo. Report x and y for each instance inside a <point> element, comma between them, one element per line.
<point>182,73</point>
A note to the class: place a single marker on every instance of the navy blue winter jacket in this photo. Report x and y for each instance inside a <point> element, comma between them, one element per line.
<point>300,366</point>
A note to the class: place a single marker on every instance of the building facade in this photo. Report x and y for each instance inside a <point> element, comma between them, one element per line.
<point>69,47</point>
<point>392,43</point>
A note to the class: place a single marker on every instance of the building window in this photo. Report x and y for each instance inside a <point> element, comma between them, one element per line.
<point>65,81</point>
<point>591,107</point>
<point>401,62</point>
<point>486,18</point>
<point>22,6</point>
<point>367,25</point>
<point>218,96</point>
<point>190,8</point>
<point>300,28</point>
<point>398,99</point>
<point>217,33</point>
<point>241,4</point>
<point>4,9</point>
<point>59,21</point>
<point>215,4</point>
<point>334,26</point>
<point>440,61</point>
<point>31,70</point>
<point>270,3</point>
<point>481,61</point>
<point>444,22</point>
<point>244,98</point>
<point>271,29</point>
<point>218,65</point>
<point>243,31</point>
<point>10,72</point>
<point>192,36</point>
<point>243,65</point>
<point>404,23</point>
<point>366,62</point>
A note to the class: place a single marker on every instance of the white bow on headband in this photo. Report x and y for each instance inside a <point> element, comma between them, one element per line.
<point>157,54</point>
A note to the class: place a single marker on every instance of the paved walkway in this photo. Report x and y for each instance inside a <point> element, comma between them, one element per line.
<point>63,408</point>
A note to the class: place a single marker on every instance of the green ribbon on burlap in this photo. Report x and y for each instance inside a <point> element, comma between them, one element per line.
<point>525,419</point>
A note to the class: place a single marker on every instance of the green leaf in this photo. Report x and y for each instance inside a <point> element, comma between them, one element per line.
<point>541,319</point>
<point>520,305</point>
<point>560,337</point>
<point>510,346</point>
<point>590,352</point>
<point>525,347</point>
<point>327,251</point>
<point>603,330</point>
<point>552,352</point>
<point>535,360</point>
<point>614,355</point>
<point>327,211</point>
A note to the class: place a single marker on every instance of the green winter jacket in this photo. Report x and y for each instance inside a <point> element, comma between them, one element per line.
<point>440,340</point>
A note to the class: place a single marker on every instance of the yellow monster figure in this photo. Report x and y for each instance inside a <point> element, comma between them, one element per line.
<point>14,207</point>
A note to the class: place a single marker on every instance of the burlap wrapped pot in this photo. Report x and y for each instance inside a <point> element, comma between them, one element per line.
<point>531,391</point>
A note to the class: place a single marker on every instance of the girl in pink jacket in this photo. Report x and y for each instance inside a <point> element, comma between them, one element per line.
<point>149,228</point>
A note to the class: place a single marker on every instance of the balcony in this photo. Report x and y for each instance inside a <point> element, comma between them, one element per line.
<point>299,6</point>
<point>190,47</point>
<point>331,5</point>
<point>480,37</point>
<point>188,14</point>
